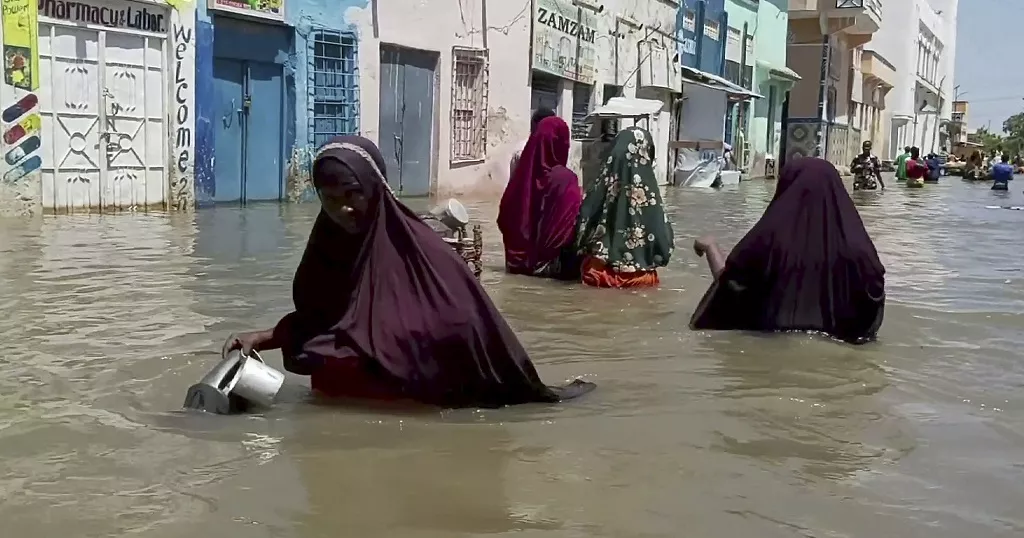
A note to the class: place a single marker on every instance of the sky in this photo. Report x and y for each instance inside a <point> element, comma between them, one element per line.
<point>989,47</point>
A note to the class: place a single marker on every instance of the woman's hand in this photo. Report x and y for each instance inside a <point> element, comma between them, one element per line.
<point>702,244</point>
<point>246,342</point>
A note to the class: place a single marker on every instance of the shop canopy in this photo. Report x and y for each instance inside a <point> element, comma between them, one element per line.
<point>715,82</point>
<point>624,107</point>
<point>779,73</point>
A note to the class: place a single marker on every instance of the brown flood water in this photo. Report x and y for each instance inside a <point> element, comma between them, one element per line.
<point>107,321</point>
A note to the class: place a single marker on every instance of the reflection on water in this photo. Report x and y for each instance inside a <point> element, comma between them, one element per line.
<point>110,319</point>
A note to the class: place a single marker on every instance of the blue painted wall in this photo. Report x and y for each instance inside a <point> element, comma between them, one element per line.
<point>204,109</point>
<point>708,54</point>
<point>301,16</point>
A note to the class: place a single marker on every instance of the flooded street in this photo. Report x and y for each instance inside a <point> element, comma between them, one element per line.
<point>108,320</point>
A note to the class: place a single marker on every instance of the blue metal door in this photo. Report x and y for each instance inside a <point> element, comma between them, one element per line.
<point>248,153</point>
<point>407,117</point>
<point>229,131</point>
<point>264,172</point>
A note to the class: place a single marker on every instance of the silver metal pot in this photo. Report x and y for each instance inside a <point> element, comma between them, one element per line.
<point>235,385</point>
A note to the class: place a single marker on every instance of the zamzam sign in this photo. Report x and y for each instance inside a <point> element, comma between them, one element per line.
<point>565,25</point>
<point>126,16</point>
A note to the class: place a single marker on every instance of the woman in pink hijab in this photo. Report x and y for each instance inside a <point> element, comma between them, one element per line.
<point>537,216</point>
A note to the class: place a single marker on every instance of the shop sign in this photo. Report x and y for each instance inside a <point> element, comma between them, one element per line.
<point>21,44</point>
<point>689,45</point>
<point>126,15</point>
<point>264,9</point>
<point>564,40</point>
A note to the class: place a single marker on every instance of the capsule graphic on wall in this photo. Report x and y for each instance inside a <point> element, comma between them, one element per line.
<point>30,144</point>
<point>29,125</point>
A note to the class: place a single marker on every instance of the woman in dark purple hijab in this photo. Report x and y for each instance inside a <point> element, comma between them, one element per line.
<point>807,265</point>
<point>384,309</point>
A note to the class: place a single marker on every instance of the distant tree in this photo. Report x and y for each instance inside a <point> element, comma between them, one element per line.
<point>990,142</point>
<point>1014,129</point>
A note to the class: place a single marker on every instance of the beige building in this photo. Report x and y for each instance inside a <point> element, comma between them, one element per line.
<point>826,112</point>
<point>959,122</point>
<point>470,74</point>
<point>878,78</point>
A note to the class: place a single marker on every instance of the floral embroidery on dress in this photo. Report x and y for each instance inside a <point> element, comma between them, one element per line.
<point>621,220</point>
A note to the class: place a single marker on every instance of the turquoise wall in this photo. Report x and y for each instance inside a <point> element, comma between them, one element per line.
<point>769,50</point>
<point>741,12</point>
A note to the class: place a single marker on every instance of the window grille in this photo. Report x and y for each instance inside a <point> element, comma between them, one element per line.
<point>334,85</point>
<point>733,72</point>
<point>469,104</point>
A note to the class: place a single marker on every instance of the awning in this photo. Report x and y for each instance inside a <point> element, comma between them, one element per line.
<point>715,82</point>
<point>624,107</point>
<point>781,73</point>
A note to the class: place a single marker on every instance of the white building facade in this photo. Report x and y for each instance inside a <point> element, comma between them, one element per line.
<point>919,104</point>
<point>99,110</point>
<point>476,70</point>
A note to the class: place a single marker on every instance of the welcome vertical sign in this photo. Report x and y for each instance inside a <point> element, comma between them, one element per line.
<point>21,43</point>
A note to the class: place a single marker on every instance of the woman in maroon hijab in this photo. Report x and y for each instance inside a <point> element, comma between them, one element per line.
<point>384,309</point>
<point>537,215</point>
<point>807,265</point>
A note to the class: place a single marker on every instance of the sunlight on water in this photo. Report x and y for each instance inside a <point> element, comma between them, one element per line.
<point>110,319</point>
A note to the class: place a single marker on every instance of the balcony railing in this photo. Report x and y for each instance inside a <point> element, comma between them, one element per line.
<point>874,6</point>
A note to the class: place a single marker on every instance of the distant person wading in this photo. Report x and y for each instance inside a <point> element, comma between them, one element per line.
<point>538,209</point>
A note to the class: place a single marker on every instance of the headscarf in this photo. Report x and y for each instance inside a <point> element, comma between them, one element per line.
<point>538,116</point>
<point>807,265</point>
<point>401,300</point>
<point>622,221</point>
<point>539,207</point>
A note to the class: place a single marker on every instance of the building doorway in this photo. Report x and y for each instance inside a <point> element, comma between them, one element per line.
<point>248,121</point>
<point>103,116</point>
<point>407,103</point>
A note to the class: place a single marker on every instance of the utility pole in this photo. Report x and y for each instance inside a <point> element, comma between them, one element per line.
<point>956,93</point>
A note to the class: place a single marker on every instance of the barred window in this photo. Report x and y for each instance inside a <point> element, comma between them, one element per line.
<point>334,82</point>
<point>469,104</point>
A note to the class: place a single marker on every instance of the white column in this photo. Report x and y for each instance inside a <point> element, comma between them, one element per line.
<point>565,100</point>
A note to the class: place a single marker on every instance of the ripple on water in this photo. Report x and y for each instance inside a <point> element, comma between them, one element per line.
<point>110,319</point>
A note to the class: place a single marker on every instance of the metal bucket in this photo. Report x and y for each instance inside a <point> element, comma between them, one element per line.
<point>235,384</point>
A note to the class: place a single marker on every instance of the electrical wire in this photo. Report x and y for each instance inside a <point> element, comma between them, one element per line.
<point>503,29</point>
<point>995,99</point>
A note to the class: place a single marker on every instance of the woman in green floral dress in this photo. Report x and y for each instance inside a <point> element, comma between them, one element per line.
<point>623,234</point>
